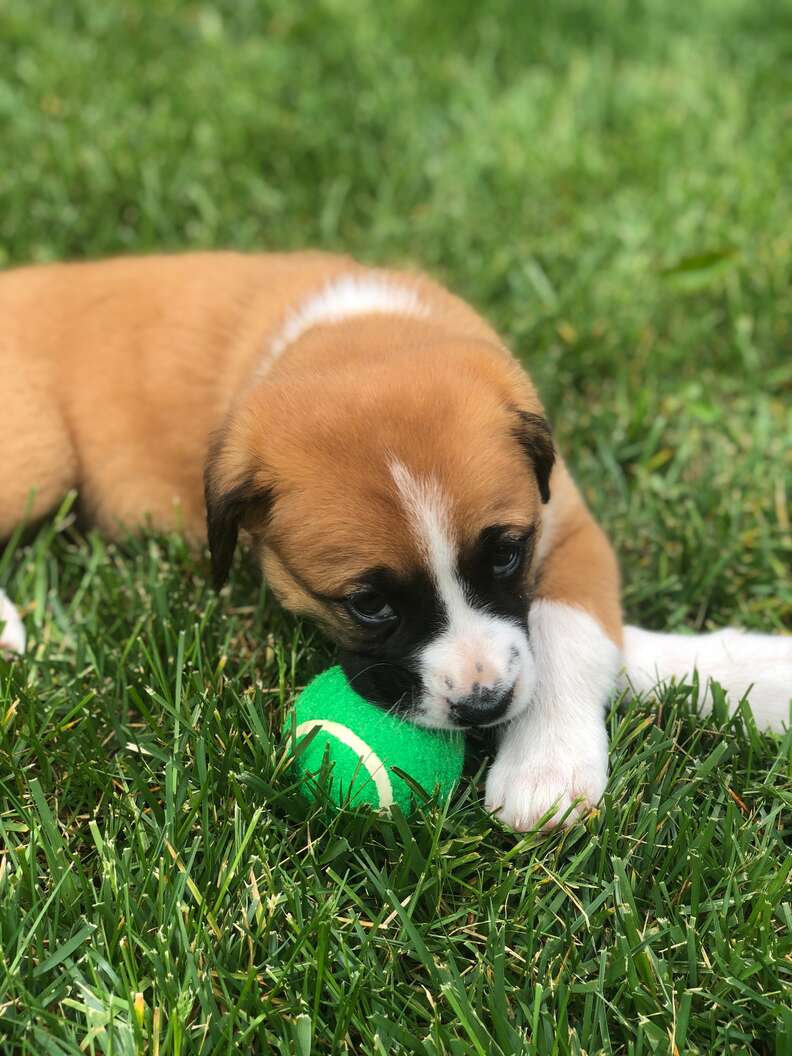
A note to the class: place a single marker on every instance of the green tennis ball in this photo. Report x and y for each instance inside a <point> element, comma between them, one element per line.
<point>362,743</point>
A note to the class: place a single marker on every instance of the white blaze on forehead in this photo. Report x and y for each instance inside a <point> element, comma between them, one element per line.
<point>341,299</point>
<point>429,518</point>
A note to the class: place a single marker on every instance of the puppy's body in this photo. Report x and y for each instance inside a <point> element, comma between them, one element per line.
<point>115,373</point>
<point>388,458</point>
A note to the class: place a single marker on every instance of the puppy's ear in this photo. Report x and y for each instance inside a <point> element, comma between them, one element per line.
<point>234,497</point>
<point>534,436</point>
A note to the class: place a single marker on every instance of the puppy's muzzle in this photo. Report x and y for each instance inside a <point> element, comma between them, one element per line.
<point>482,707</point>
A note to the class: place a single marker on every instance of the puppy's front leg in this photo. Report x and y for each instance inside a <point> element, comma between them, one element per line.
<point>553,759</point>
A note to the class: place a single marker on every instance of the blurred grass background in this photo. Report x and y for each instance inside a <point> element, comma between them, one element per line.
<point>609,183</point>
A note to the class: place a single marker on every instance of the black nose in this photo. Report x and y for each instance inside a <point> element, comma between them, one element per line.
<point>482,707</point>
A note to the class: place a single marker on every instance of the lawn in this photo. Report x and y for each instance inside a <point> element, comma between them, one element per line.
<point>609,181</point>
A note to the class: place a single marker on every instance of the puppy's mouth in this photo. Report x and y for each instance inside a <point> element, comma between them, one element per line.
<point>510,705</point>
<point>401,690</point>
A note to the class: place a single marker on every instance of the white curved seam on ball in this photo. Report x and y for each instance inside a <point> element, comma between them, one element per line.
<point>369,758</point>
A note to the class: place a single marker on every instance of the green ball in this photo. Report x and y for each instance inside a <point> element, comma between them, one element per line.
<point>362,743</point>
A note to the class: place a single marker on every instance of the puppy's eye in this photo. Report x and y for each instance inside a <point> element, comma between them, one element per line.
<point>507,557</point>
<point>370,607</point>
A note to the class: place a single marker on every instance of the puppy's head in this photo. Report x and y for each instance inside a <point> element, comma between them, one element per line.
<point>401,516</point>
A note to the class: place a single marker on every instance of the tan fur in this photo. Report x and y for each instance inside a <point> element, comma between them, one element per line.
<point>580,567</point>
<point>114,376</point>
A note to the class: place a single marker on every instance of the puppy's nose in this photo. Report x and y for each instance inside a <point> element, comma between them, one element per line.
<point>482,707</point>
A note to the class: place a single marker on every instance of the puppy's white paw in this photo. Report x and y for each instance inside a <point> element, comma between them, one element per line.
<point>552,762</point>
<point>524,793</point>
<point>12,631</point>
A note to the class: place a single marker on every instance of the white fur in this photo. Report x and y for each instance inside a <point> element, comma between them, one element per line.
<point>12,635</point>
<point>759,665</point>
<point>342,298</point>
<point>476,649</point>
<point>430,522</point>
<point>556,753</point>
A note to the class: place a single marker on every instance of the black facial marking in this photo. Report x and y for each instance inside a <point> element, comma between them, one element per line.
<point>534,436</point>
<point>507,597</point>
<point>393,685</point>
<point>380,662</point>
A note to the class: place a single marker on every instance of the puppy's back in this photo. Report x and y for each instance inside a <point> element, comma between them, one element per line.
<point>113,375</point>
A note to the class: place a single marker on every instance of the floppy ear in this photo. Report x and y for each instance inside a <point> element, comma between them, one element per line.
<point>534,436</point>
<point>231,501</point>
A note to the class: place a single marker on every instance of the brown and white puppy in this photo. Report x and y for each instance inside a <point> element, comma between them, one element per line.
<point>389,462</point>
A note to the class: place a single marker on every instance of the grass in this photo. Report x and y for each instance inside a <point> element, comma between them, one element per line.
<point>609,182</point>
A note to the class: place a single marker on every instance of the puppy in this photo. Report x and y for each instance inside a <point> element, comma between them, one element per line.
<point>389,463</point>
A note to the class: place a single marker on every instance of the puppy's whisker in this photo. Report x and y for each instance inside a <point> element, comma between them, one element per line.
<point>365,670</point>
<point>396,707</point>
